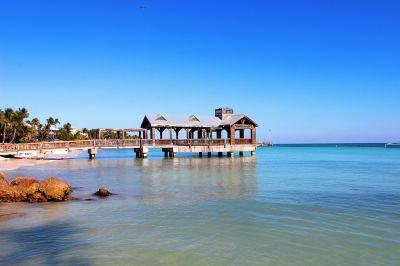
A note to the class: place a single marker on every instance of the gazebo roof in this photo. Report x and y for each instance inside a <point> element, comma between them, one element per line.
<point>192,121</point>
<point>181,121</point>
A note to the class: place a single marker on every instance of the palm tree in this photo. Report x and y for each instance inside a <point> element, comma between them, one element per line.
<point>8,120</point>
<point>35,122</point>
<point>34,131</point>
<point>50,121</point>
<point>18,121</point>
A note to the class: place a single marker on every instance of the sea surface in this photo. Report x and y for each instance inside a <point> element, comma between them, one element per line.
<point>317,205</point>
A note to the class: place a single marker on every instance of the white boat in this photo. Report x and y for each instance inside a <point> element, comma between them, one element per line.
<point>34,154</point>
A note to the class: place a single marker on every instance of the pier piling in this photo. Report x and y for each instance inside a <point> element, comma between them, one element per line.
<point>92,153</point>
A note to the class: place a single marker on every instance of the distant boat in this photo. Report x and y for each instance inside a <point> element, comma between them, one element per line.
<point>33,154</point>
<point>265,144</point>
<point>392,145</point>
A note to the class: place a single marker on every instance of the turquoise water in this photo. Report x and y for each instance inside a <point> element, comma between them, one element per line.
<point>284,206</point>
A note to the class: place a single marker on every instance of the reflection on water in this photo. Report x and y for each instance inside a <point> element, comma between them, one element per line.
<point>159,179</point>
<point>193,179</point>
<point>284,206</point>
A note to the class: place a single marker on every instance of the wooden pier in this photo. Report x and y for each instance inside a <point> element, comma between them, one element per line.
<point>140,146</point>
<point>222,133</point>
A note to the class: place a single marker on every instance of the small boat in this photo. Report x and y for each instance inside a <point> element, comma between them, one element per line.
<point>392,145</point>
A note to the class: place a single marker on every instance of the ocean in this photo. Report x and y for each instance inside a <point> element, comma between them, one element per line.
<point>287,205</point>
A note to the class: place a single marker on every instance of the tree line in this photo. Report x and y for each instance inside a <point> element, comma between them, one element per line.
<point>16,127</point>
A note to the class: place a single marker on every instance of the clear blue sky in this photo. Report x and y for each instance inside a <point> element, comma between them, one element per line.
<point>311,71</point>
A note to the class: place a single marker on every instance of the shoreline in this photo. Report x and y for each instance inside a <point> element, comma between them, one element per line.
<point>8,164</point>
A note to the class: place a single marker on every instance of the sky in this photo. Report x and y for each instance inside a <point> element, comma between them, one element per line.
<point>305,71</point>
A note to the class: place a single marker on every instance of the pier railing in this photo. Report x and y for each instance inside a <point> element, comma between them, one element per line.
<point>117,143</point>
<point>19,147</point>
<point>242,141</point>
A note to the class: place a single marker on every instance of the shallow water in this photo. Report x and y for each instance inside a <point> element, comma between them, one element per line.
<point>284,206</point>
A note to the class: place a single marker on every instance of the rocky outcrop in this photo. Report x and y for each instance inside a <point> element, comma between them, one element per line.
<point>102,192</point>
<point>31,190</point>
<point>26,189</point>
<point>3,179</point>
<point>55,189</point>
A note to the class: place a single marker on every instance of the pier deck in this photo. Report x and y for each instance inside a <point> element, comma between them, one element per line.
<point>140,146</point>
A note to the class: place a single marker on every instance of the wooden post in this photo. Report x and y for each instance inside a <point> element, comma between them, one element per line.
<point>241,132</point>
<point>253,135</point>
<point>177,132</point>
<point>219,133</point>
<point>187,133</point>
<point>92,153</point>
<point>161,130</point>
<point>40,155</point>
<point>153,133</point>
<point>232,134</point>
<point>170,136</point>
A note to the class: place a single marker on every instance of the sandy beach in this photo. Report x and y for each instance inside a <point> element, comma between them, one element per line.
<point>11,164</point>
<point>7,164</point>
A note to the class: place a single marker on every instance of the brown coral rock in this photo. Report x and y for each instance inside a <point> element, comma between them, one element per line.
<point>102,192</point>
<point>5,194</point>
<point>3,179</point>
<point>25,185</point>
<point>31,190</point>
<point>55,189</point>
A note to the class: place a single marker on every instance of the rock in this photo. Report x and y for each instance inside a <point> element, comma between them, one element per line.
<point>55,189</point>
<point>26,185</point>
<point>36,197</point>
<point>31,190</point>
<point>6,193</point>
<point>26,189</point>
<point>102,192</point>
<point>24,181</point>
<point>3,179</point>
